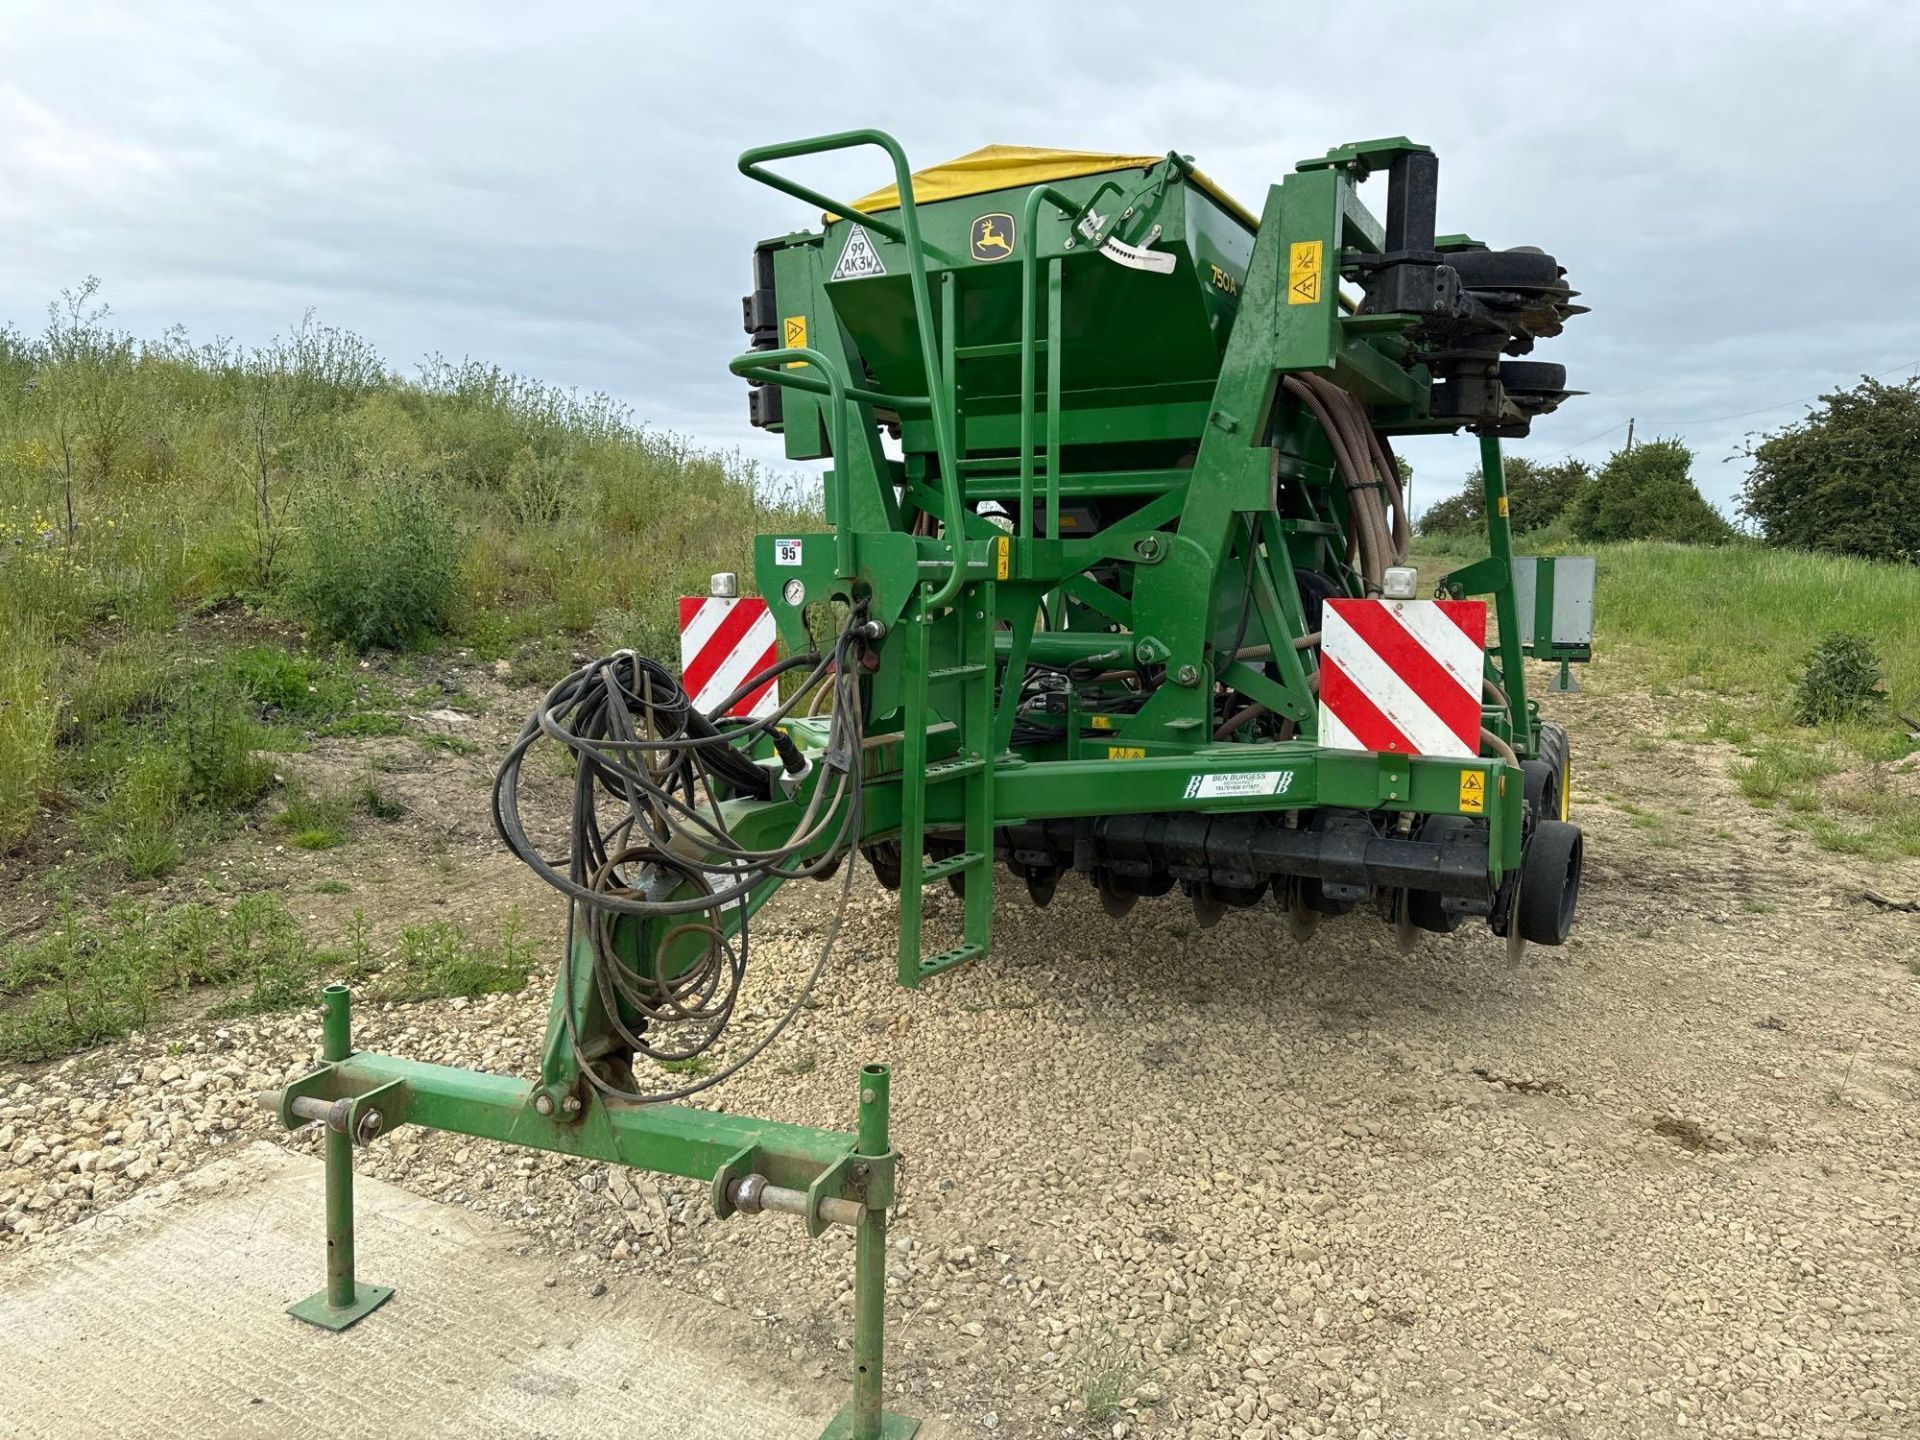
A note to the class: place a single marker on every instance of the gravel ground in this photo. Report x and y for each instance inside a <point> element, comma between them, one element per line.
<point>1171,1182</point>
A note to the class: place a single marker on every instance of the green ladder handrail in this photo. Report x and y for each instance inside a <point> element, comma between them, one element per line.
<point>907,232</point>
<point>770,366</point>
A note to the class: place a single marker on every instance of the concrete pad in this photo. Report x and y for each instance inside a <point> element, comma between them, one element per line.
<point>165,1316</point>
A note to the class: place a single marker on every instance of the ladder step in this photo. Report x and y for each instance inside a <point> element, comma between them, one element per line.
<point>947,959</point>
<point>952,865</point>
<point>953,769</point>
<point>991,351</point>
<point>955,672</point>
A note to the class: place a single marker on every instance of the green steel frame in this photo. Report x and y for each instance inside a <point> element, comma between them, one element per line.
<point>831,1177</point>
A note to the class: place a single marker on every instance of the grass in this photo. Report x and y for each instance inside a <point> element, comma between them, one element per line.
<point>1728,630</point>
<point>1733,627</point>
<point>146,484</point>
<point>377,803</point>
<point>314,819</point>
<point>92,978</point>
<point>1106,1369</point>
<point>441,959</point>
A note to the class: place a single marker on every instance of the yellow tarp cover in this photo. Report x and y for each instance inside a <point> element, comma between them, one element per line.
<point>1007,167</point>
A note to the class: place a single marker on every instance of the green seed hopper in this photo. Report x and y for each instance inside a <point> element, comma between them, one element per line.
<point>1115,588</point>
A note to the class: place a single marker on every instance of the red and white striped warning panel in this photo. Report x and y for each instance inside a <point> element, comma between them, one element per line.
<point>722,643</point>
<point>1402,676</point>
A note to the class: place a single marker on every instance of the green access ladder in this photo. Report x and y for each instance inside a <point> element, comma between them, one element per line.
<point>970,767</point>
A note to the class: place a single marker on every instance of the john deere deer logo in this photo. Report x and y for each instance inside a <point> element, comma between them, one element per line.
<point>991,237</point>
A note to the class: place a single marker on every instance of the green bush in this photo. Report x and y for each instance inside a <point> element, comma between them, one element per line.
<point>159,786</point>
<point>378,569</point>
<point>1845,478</point>
<point>1647,493</point>
<point>216,737</point>
<point>1842,681</point>
<point>1538,495</point>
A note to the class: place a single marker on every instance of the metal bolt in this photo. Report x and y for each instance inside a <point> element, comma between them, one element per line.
<point>543,1103</point>
<point>1187,675</point>
<point>1069,244</point>
<point>571,1104</point>
<point>372,1122</point>
<point>867,1096</point>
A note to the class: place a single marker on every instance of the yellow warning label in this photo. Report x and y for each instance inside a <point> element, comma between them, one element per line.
<point>793,335</point>
<point>1105,722</point>
<point>1305,264</point>
<point>1002,550</point>
<point>1566,790</point>
<point>1473,793</point>
<point>1126,752</point>
<point>1503,507</point>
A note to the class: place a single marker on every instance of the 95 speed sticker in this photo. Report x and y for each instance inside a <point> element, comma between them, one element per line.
<point>1239,784</point>
<point>786,552</point>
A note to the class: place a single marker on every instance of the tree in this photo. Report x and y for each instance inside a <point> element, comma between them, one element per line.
<point>1846,478</point>
<point>1537,495</point>
<point>1646,493</point>
<point>1461,514</point>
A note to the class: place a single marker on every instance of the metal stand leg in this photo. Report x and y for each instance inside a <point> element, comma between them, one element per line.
<point>343,1301</point>
<point>863,1418</point>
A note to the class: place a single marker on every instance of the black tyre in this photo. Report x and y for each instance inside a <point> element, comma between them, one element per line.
<point>884,857</point>
<point>1550,882</point>
<point>1554,747</point>
<point>1532,375</point>
<point>1542,789</point>
<point>1557,752</point>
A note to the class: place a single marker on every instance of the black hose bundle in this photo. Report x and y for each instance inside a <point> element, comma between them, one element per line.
<point>642,751</point>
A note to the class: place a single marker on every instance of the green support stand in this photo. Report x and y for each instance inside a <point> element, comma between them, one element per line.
<point>862,1418</point>
<point>344,1302</point>
<point>824,1177</point>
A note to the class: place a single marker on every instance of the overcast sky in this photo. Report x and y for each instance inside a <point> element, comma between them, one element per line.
<point>553,187</point>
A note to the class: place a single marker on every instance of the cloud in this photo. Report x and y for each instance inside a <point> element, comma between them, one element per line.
<point>554,189</point>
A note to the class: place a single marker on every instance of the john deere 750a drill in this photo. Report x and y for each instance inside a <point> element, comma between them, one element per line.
<point>1132,601</point>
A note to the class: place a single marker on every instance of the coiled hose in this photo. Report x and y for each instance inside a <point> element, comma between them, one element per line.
<point>637,741</point>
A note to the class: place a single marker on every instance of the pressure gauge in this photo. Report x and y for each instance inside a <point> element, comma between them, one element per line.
<point>794,592</point>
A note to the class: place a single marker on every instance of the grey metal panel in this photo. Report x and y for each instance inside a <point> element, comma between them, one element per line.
<point>1525,568</point>
<point>1573,600</point>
